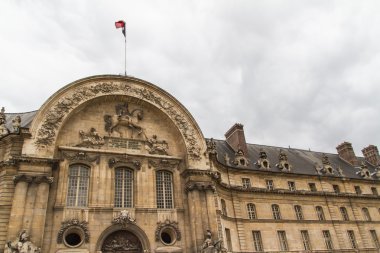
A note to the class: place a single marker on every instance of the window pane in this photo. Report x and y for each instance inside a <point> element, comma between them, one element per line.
<point>164,188</point>
<point>327,237</point>
<point>251,211</point>
<point>366,214</point>
<point>305,240</point>
<point>123,187</point>
<point>320,214</point>
<point>257,242</point>
<point>276,212</point>
<point>298,211</point>
<point>77,191</point>
<point>344,213</point>
<point>375,239</point>
<point>351,237</point>
<point>283,241</point>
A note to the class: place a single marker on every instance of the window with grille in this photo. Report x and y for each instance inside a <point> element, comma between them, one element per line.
<point>292,185</point>
<point>351,237</point>
<point>320,213</point>
<point>164,189</point>
<point>336,188</point>
<point>327,238</point>
<point>374,191</point>
<point>257,241</point>
<point>343,212</point>
<point>276,212</point>
<point>358,190</point>
<point>366,214</point>
<point>224,207</point>
<point>312,187</point>
<point>77,190</point>
<point>123,187</point>
<point>251,209</point>
<point>298,211</point>
<point>246,182</point>
<point>375,239</point>
<point>283,241</point>
<point>269,183</point>
<point>305,240</point>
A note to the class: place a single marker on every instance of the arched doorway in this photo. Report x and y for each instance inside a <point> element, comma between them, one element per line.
<point>122,241</point>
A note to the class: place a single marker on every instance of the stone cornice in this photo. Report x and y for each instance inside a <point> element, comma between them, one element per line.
<point>200,186</point>
<point>34,160</point>
<point>32,179</point>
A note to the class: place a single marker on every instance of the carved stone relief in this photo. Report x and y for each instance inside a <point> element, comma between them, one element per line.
<point>363,171</point>
<point>167,224</point>
<point>124,160</point>
<point>65,225</point>
<point>123,219</point>
<point>210,246</point>
<point>155,146</point>
<point>283,163</point>
<point>326,167</point>
<point>263,161</point>
<point>3,129</point>
<point>32,179</point>
<point>200,186</point>
<point>16,124</point>
<point>121,241</point>
<point>47,131</point>
<point>22,244</point>
<point>163,164</point>
<point>80,156</point>
<point>211,146</point>
<point>91,139</point>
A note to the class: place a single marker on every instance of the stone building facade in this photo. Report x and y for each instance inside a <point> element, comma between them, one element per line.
<point>116,164</point>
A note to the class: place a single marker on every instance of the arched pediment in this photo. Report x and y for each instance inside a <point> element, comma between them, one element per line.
<point>52,115</point>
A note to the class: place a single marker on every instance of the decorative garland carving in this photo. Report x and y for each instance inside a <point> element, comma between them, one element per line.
<point>163,164</point>
<point>81,156</point>
<point>200,186</point>
<point>124,160</point>
<point>83,225</point>
<point>123,219</point>
<point>167,224</point>
<point>47,132</point>
<point>32,179</point>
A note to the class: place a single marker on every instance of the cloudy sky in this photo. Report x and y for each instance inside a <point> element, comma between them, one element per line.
<point>298,73</point>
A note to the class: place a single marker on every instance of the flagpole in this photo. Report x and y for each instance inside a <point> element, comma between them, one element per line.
<point>125,55</point>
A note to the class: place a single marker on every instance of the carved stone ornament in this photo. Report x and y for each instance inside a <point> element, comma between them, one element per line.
<point>122,241</point>
<point>226,159</point>
<point>3,129</point>
<point>163,164</point>
<point>200,186</point>
<point>263,161</point>
<point>363,171</point>
<point>326,167</point>
<point>91,139</point>
<point>16,124</point>
<point>240,159</point>
<point>124,160</point>
<point>283,163</point>
<point>74,223</point>
<point>47,131</point>
<point>155,146</point>
<point>124,119</point>
<point>32,179</point>
<point>167,224</point>
<point>123,219</point>
<point>211,146</point>
<point>210,246</point>
<point>81,156</point>
<point>22,244</point>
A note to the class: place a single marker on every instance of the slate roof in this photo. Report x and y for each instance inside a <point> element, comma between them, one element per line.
<point>26,119</point>
<point>302,161</point>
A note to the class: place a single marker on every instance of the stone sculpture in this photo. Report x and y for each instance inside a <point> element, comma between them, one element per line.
<point>90,139</point>
<point>210,246</point>
<point>3,129</point>
<point>21,245</point>
<point>16,124</point>
<point>155,146</point>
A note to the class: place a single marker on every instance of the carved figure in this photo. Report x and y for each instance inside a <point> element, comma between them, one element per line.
<point>211,146</point>
<point>263,161</point>
<point>209,246</point>
<point>154,146</point>
<point>16,123</point>
<point>124,118</point>
<point>3,129</point>
<point>364,172</point>
<point>123,218</point>
<point>90,139</point>
<point>21,245</point>
<point>283,161</point>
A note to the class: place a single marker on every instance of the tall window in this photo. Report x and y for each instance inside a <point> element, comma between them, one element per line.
<point>276,212</point>
<point>246,182</point>
<point>257,242</point>
<point>374,191</point>
<point>327,238</point>
<point>298,211</point>
<point>366,214</point>
<point>305,240</point>
<point>292,185</point>
<point>228,238</point>
<point>343,212</point>
<point>336,188</point>
<point>77,191</point>
<point>375,239</point>
<point>351,237</point>
<point>224,207</point>
<point>358,190</point>
<point>251,209</point>
<point>269,183</point>
<point>123,187</point>
<point>283,241</point>
<point>320,214</point>
<point>164,189</point>
<point>312,187</point>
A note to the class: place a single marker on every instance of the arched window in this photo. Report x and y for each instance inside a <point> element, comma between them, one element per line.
<point>251,209</point>
<point>320,214</point>
<point>298,211</point>
<point>276,212</point>
<point>366,214</point>
<point>77,190</point>
<point>164,189</point>
<point>344,213</point>
<point>123,187</point>
<point>224,207</point>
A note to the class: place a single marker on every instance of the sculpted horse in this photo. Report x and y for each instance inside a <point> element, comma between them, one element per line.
<point>124,118</point>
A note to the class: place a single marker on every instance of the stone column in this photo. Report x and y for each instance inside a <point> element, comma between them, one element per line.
<point>40,208</point>
<point>18,205</point>
<point>195,219</point>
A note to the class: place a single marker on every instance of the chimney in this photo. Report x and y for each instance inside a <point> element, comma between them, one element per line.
<point>347,153</point>
<point>235,138</point>
<point>371,154</point>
